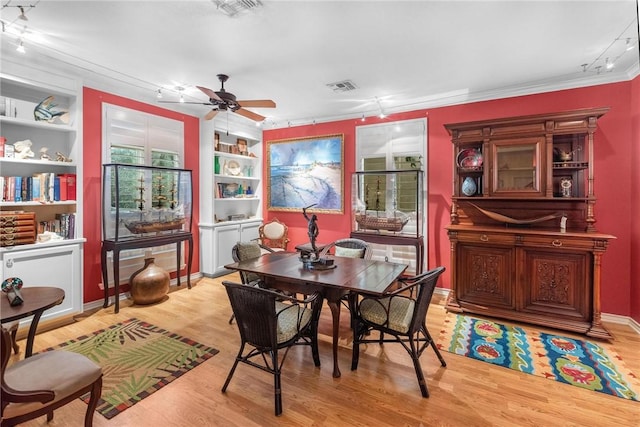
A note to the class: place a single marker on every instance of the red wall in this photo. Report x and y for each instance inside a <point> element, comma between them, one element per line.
<point>92,169</point>
<point>635,201</point>
<point>613,143</point>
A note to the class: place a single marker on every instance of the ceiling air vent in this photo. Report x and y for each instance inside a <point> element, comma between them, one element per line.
<point>343,86</point>
<point>233,7</point>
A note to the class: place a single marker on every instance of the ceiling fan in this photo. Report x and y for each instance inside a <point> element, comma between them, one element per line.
<point>226,101</point>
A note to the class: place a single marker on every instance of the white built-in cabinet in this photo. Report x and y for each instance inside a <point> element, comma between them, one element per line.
<point>53,263</point>
<point>231,192</point>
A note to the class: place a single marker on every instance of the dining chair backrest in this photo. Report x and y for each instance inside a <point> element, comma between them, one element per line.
<point>243,251</point>
<point>274,234</point>
<point>349,247</point>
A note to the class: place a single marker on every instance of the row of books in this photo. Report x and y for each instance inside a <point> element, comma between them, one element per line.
<point>41,187</point>
<point>64,225</point>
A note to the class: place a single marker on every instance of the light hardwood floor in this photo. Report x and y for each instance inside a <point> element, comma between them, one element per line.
<point>382,392</point>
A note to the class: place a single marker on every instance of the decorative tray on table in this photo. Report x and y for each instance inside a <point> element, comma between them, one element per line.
<point>317,263</point>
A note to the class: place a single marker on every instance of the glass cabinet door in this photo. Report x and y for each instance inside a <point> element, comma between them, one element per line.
<point>516,167</point>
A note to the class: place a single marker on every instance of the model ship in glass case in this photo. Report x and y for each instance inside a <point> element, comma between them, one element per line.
<point>165,213</point>
<point>145,200</point>
<point>388,201</point>
<point>372,217</point>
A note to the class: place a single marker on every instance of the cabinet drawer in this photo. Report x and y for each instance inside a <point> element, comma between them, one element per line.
<point>558,242</point>
<point>488,238</point>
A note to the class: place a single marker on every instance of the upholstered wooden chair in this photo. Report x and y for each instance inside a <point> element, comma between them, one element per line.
<point>274,235</point>
<point>39,384</point>
<point>268,323</point>
<point>402,317</point>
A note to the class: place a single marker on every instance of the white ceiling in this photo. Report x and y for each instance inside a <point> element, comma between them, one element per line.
<point>407,54</point>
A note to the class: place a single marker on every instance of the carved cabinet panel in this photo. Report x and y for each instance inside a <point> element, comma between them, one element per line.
<point>486,275</point>
<point>552,284</point>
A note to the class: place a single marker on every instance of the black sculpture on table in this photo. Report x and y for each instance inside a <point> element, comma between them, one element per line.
<point>314,262</point>
<point>313,228</point>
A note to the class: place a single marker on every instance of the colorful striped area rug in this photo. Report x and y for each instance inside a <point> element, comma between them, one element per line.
<point>137,359</point>
<point>584,364</point>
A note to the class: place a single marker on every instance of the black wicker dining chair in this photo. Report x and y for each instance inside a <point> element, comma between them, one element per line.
<point>349,247</point>
<point>243,251</point>
<point>401,317</point>
<point>269,322</point>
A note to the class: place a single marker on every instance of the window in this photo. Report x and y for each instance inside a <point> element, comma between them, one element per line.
<point>135,137</point>
<point>393,146</point>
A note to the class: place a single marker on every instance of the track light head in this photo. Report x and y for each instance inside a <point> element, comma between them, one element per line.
<point>22,15</point>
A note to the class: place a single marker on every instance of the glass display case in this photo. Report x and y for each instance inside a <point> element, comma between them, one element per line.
<point>388,202</point>
<point>144,207</point>
<point>143,201</point>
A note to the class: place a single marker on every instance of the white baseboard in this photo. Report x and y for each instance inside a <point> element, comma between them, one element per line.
<point>93,305</point>
<point>606,317</point>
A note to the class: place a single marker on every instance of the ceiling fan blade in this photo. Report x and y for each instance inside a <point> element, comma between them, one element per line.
<point>184,102</point>
<point>211,94</point>
<point>250,115</point>
<point>258,103</point>
<point>211,114</point>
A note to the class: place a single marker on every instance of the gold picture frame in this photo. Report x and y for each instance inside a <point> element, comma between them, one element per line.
<point>306,171</point>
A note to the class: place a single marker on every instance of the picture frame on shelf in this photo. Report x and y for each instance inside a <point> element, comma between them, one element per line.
<point>295,166</point>
<point>242,146</point>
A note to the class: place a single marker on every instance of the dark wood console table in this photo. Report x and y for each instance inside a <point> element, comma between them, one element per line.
<point>388,239</point>
<point>137,243</point>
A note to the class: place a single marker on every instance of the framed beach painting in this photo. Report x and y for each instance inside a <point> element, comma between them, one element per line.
<point>306,171</point>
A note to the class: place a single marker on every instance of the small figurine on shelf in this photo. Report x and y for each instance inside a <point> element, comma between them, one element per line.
<point>22,149</point>
<point>43,154</point>
<point>46,111</point>
<point>61,157</point>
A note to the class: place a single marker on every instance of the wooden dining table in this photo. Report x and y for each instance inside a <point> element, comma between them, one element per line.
<point>37,299</point>
<point>285,271</point>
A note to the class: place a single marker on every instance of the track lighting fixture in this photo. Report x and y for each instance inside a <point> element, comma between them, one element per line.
<point>613,52</point>
<point>608,64</point>
<point>362,119</point>
<point>20,47</point>
<point>629,45</point>
<point>22,16</point>
<point>181,98</point>
<point>159,94</point>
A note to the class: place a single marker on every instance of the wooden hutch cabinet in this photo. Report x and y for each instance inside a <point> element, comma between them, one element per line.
<point>524,245</point>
